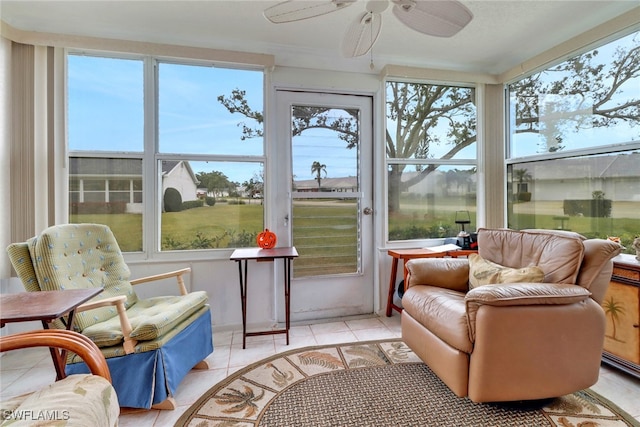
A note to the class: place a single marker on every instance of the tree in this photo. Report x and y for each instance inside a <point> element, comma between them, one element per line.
<point>521,176</point>
<point>317,168</point>
<point>216,182</point>
<point>253,187</point>
<point>415,110</point>
<point>457,179</point>
<point>236,103</point>
<point>172,200</point>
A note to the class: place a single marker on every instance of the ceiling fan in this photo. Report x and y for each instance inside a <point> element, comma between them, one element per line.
<point>440,18</point>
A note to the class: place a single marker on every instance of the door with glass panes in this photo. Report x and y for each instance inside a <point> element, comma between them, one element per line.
<point>326,185</point>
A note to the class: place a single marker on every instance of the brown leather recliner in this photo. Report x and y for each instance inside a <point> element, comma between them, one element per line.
<point>512,341</point>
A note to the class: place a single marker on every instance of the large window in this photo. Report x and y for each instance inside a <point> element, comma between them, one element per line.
<point>105,122</point>
<point>431,159</point>
<point>194,158</point>
<point>210,156</point>
<point>574,160</point>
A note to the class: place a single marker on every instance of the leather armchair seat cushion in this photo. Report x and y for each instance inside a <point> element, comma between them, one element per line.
<point>442,311</point>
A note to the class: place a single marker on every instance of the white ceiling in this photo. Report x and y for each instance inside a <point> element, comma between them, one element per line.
<point>501,35</point>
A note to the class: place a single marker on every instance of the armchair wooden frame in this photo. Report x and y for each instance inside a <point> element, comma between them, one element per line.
<point>129,343</point>
<point>62,339</point>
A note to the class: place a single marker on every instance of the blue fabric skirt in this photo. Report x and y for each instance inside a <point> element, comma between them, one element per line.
<point>145,379</point>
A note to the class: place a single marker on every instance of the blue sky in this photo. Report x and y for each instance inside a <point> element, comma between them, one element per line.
<point>584,137</point>
<point>106,113</point>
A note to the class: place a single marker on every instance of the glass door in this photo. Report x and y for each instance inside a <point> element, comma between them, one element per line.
<point>329,140</point>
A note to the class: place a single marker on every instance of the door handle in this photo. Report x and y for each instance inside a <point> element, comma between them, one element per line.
<point>367,211</point>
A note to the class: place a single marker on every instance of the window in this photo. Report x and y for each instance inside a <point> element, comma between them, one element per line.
<point>105,99</point>
<point>431,159</point>
<point>200,170</point>
<point>575,145</point>
<point>206,116</point>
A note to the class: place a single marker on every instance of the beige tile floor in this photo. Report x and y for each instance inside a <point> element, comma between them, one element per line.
<point>25,370</point>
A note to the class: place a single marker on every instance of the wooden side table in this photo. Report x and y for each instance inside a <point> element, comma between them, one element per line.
<point>45,306</point>
<point>243,256</point>
<point>406,254</point>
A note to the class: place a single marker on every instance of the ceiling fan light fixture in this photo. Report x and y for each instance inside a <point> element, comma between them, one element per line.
<point>440,18</point>
<point>406,5</point>
<point>377,6</point>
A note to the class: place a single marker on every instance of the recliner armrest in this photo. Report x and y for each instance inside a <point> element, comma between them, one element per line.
<point>526,294</point>
<point>449,273</point>
<point>520,294</point>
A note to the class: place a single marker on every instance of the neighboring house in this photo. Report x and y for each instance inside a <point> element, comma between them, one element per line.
<point>179,175</point>
<point>616,176</point>
<point>435,183</point>
<point>345,184</point>
<point>442,184</point>
<point>100,181</point>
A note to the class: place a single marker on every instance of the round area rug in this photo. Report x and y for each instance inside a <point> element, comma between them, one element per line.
<point>381,383</point>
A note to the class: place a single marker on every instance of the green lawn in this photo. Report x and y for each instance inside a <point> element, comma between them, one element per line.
<point>325,233</point>
<point>207,227</point>
<point>625,228</point>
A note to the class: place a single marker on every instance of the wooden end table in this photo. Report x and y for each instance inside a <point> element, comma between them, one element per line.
<point>406,254</point>
<point>243,256</point>
<point>45,306</point>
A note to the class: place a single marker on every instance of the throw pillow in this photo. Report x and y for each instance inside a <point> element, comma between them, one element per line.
<point>485,272</point>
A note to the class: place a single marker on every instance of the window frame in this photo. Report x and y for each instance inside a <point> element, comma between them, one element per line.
<point>470,162</point>
<point>563,154</point>
<point>151,157</point>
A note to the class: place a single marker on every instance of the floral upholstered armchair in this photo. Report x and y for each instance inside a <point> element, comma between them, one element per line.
<point>150,344</point>
<point>80,400</point>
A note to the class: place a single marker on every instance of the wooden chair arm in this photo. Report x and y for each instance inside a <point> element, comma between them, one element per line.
<point>60,338</point>
<point>125,324</point>
<point>177,274</point>
<point>90,305</point>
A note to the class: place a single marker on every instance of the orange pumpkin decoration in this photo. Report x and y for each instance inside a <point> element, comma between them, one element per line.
<point>267,239</point>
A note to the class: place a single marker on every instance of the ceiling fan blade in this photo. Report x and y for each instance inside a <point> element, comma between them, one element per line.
<point>361,34</point>
<point>296,10</point>
<point>440,18</point>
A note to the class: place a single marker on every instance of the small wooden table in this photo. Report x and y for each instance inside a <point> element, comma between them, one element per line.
<point>406,254</point>
<point>244,255</point>
<point>45,306</point>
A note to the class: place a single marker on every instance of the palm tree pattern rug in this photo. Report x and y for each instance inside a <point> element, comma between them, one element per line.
<point>375,383</point>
